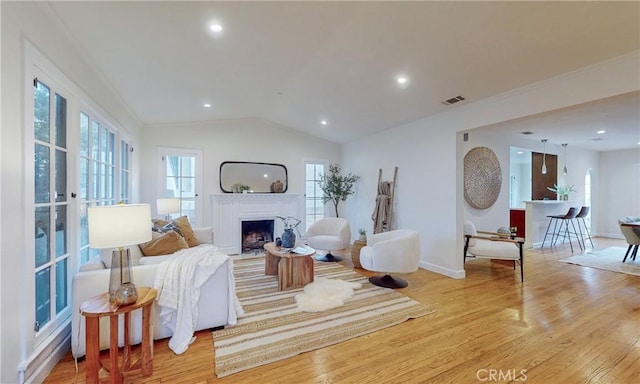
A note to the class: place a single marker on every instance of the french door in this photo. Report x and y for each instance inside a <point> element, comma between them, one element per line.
<point>180,177</point>
<point>51,206</point>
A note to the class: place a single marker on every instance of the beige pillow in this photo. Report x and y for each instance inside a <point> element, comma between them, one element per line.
<point>165,244</point>
<point>187,232</point>
<point>159,223</point>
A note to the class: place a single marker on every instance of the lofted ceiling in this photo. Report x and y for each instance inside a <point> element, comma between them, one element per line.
<point>298,63</point>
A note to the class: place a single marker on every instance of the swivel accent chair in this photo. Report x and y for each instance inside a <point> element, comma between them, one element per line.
<point>396,251</point>
<point>329,234</point>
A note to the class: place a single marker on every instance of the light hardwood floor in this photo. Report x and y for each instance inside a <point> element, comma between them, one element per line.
<point>565,324</point>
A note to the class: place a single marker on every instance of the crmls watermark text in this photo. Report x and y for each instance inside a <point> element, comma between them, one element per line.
<point>501,375</point>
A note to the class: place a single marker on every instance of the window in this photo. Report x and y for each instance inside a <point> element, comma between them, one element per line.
<point>314,207</point>
<point>180,177</point>
<point>98,172</point>
<point>51,205</point>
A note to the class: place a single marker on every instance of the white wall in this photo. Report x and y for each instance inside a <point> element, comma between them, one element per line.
<point>31,21</point>
<point>429,155</point>
<point>620,192</point>
<point>233,140</point>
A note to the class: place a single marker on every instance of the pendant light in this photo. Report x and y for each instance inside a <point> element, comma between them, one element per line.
<point>565,157</point>
<point>544,156</point>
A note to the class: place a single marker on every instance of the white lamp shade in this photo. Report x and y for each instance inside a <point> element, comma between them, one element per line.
<point>168,205</point>
<point>116,226</point>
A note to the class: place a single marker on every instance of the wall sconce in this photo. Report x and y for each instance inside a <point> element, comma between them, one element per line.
<point>565,157</point>
<point>544,156</point>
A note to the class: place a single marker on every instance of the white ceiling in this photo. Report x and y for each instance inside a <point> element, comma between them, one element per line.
<point>296,63</point>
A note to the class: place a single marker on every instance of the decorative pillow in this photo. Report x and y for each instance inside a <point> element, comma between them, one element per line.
<point>158,223</point>
<point>204,234</point>
<point>171,226</point>
<point>187,232</point>
<point>164,244</point>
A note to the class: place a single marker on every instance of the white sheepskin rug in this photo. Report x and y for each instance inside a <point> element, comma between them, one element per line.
<point>324,294</point>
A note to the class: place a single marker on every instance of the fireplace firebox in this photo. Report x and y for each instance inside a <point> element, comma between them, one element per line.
<point>255,234</point>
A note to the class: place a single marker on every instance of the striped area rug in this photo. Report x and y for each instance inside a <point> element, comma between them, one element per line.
<point>273,328</point>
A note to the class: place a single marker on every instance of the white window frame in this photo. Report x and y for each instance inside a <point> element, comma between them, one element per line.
<point>163,152</point>
<point>38,67</point>
<point>116,176</point>
<point>325,165</point>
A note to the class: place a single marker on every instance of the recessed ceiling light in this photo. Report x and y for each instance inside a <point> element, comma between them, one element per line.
<point>402,80</point>
<point>600,132</point>
<point>324,122</point>
<point>207,105</point>
<point>215,27</point>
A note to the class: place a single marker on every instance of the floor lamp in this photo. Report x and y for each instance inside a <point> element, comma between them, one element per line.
<point>116,227</point>
<point>168,205</point>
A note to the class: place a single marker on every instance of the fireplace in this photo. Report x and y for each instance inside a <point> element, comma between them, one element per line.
<point>255,234</point>
<point>229,210</point>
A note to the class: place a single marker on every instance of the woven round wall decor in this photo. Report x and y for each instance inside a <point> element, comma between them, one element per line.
<point>482,177</point>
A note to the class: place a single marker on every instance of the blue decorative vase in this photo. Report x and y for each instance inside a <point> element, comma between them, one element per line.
<point>288,238</point>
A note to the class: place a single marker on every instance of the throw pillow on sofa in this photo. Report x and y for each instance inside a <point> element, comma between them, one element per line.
<point>164,244</point>
<point>184,227</point>
<point>187,232</point>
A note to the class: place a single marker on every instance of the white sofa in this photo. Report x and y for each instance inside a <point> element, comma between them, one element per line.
<point>93,279</point>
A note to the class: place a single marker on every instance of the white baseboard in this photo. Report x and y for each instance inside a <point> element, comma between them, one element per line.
<point>460,274</point>
<point>38,367</point>
<point>610,235</point>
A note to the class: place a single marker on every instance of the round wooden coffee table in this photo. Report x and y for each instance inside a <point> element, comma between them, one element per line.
<point>294,270</point>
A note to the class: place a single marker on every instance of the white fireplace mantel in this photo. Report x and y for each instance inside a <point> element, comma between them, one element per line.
<point>230,209</point>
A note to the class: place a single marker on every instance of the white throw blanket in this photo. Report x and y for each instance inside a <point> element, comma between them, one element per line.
<point>178,281</point>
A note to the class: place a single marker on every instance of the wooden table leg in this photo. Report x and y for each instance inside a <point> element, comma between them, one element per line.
<point>271,263</point>
<point>93,349</point>
<point>146,362</point>
<point>126,359</point>
<point>295,272</point>
<point>114,372</point>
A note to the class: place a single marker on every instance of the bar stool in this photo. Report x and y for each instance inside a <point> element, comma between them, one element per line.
<point>556,233</point>
<point>584,211</point>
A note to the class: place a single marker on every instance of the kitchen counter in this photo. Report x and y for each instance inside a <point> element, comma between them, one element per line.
<point>536,220</point>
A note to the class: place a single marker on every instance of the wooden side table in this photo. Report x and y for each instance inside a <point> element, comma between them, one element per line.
<point>99,306</point>
<point>355,252</point>
<point>293,270</point>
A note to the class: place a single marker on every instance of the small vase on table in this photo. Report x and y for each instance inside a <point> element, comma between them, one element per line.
<point>288,238</point>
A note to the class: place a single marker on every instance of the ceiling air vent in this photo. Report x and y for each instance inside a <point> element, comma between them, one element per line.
<point>453,100</point>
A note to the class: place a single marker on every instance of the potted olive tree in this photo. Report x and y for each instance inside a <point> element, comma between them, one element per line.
<point>336,187</point>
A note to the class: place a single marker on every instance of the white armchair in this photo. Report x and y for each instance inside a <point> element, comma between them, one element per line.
<point>395,251</point>
<point>630,228</point>
<point>329,234</point>
<point>491,245</point>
